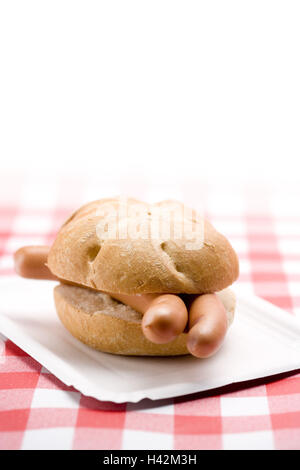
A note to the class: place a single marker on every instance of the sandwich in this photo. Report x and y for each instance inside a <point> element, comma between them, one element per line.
<point>139,279</point>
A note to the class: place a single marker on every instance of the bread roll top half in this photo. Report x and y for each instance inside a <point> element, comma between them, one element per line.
<point>127,246</point>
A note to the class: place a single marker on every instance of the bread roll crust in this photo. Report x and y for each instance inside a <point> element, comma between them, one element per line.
<point>139,266</point>
<point>110,326</point>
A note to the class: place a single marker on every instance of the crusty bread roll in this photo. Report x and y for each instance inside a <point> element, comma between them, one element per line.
<point>110,326</point>
<point>81,254</point>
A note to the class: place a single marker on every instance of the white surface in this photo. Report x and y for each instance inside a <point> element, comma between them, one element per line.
<point>262,341</point>
<point>258,440</point>
<point>52,439</point>
<point>134,440</point>
<point>207,88</point>
<point>244,406</point>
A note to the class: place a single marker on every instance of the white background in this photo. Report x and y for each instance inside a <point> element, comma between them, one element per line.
<point>159,88</point>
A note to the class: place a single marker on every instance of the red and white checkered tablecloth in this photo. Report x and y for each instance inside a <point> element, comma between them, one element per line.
<point>39,412</point>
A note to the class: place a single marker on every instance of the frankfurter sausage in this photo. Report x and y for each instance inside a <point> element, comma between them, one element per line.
<point>165,318</point>
<point>164,315</point>
<point>207,325</point>
<point>30,262</point>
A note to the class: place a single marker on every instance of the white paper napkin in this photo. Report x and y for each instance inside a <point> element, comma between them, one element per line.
<point>263,340</point>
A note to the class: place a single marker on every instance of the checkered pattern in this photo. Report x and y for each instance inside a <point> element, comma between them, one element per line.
<point>37,411</point>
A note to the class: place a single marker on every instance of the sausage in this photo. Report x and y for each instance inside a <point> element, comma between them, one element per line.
<point>164,315</point>
<point>165,318</point>
<point>30,262</point>
<point>207,325</point>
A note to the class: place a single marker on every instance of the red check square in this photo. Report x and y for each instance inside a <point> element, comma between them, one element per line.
<point>286,420</point>
<point>198,441</point>
<point>16,380</point>
<point>97,414</point>
<point>14,420</point>
<point>11,440</point>
<point>97,439</point>
<point>197,424</point>
<point>40,418</point>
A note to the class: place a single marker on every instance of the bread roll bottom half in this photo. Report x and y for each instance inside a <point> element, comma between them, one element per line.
<point>107,325</point>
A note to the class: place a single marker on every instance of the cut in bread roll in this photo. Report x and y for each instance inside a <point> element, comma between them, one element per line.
<point>84,255</point>
<point>110,326</point>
